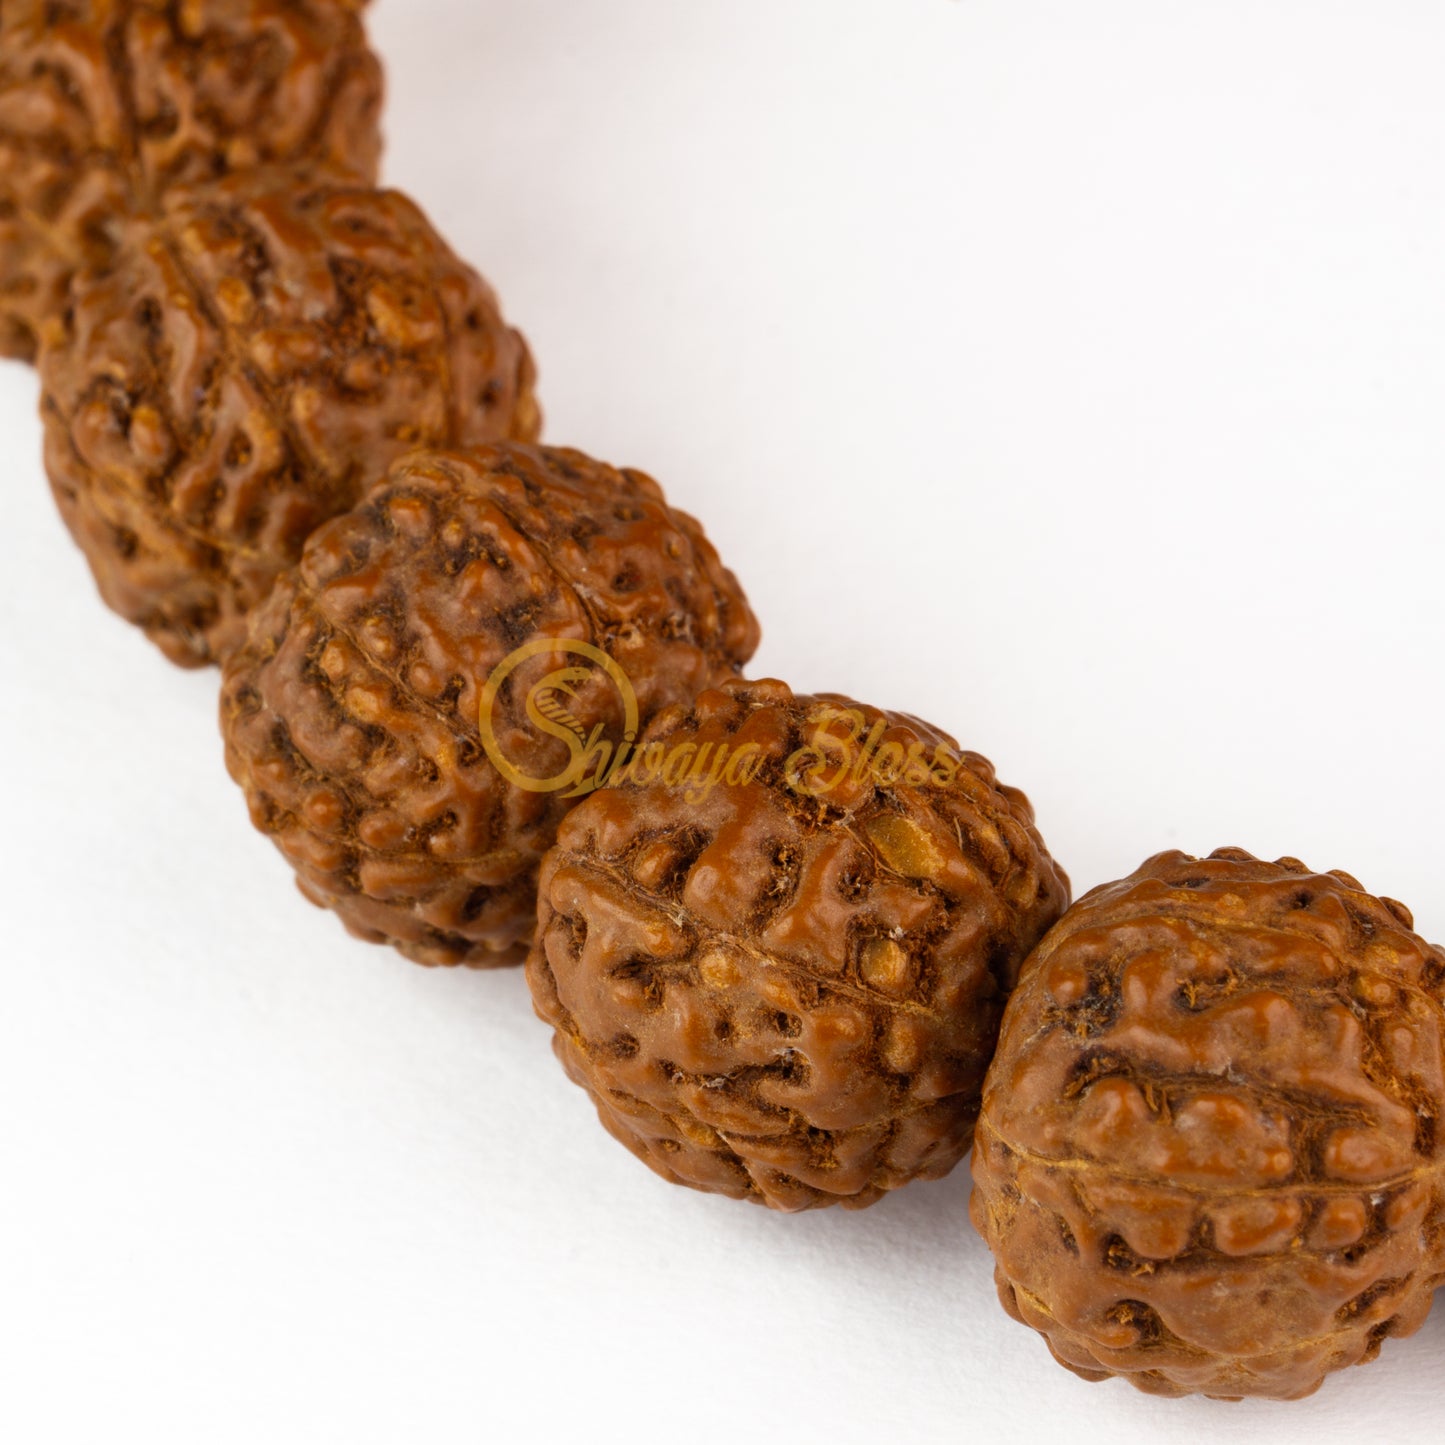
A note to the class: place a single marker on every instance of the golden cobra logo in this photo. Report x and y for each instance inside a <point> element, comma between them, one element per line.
<point>844,747</point>
<point>551,707</point>
<point>557,705</point>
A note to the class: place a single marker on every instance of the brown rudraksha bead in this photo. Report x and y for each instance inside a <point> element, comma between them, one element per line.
<point>776,947</point>
<point>358,717</point>
<point>1210,1157</point>
<point>253,358</point>
<point>105,104</point>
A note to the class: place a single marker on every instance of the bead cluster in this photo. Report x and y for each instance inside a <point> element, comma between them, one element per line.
<point>486,697</point>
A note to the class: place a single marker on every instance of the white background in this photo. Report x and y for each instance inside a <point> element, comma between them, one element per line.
<point>1070,374</point>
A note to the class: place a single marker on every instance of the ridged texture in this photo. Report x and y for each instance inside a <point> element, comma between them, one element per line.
<point>780,996</point>
<point>352,716</point>
<point>249,362</point>
<point>1210,1157</point>
<point>105,104</point>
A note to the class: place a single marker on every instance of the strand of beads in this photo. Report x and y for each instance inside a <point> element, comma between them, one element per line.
<point>485,697</point>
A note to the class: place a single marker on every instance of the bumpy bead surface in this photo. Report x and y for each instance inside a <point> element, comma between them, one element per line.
<point>1210,1157</point>
<point>786,987</point>
<point>249,362</point>
<point>353,716</point>
<point>104,104</point>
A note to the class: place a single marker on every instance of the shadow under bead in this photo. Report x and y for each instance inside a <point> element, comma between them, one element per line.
<point>776,955</point>
<point>107,104</point>
<point>1211,1158</point>
<point>353,717</point>
<point>253,357</point>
